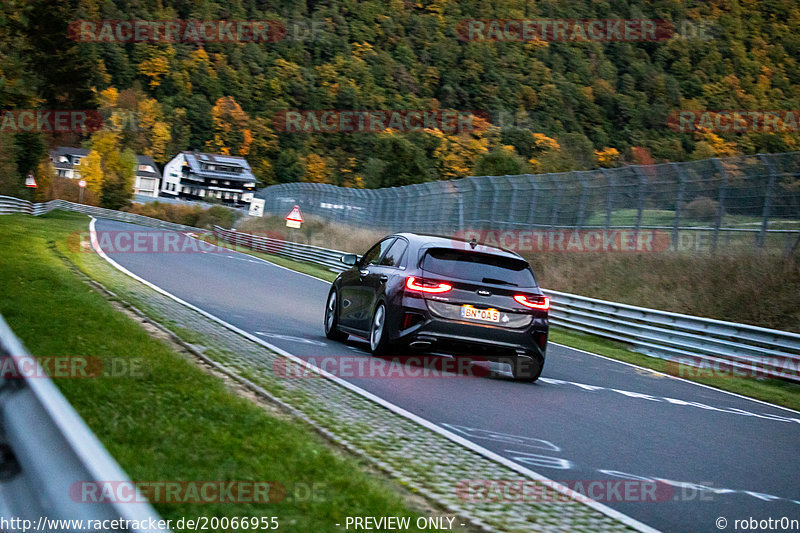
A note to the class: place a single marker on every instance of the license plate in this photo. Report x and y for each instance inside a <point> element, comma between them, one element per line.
<point>486,315</point>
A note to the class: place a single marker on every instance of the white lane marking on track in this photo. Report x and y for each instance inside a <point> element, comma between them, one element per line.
<point>678,378</point>
<point>668,400</point>
<point>604,509</point>
<point>290,338</point>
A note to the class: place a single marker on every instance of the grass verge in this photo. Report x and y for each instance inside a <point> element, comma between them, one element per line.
<point>774,391</point>
<point>173,421</point>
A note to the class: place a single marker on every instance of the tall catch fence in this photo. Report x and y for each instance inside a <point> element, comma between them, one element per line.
<point>744,203</point>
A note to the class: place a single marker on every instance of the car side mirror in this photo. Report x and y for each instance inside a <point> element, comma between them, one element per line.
<point>349,259</point>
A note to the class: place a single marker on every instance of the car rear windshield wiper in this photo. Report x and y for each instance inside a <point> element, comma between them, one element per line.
<point>498,281</point>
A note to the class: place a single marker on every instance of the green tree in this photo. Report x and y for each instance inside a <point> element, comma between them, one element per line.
<point>500,162</point>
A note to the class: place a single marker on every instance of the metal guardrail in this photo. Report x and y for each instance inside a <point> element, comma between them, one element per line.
<point>298,252</point>
<point>690,340</point>
<point>46,448</point>
<point>9,204</point>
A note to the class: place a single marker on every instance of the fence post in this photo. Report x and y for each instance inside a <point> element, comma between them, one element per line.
<point>721,207</point>
<point>762,235</point>
<point>559,187</point>
<point>534,200</point>
<point>641,197</point>
<point>494,197</point>
<point>512,212</point>
<point>609,175</point>
<point>582,200</point>
<point>678,205</point>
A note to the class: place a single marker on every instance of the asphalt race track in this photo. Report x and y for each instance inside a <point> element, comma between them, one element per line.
<point>587,418</point>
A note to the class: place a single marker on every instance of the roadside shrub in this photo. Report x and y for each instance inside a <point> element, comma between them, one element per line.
<point>189,215</point>
<point>702,208</point>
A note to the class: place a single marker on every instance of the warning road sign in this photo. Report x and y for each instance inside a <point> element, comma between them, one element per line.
<point>294,219</point>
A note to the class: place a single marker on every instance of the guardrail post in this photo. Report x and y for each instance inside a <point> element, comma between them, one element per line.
<point>761,240</point>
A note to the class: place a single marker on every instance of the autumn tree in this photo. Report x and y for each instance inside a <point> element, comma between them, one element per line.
<point>231,128</point>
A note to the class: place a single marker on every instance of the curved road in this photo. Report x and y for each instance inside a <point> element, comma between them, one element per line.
<point>587,418</point>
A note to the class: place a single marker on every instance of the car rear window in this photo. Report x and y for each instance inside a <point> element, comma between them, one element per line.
<point>479,267</point>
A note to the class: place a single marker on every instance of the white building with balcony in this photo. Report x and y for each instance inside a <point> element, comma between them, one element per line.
<point>209,177</point>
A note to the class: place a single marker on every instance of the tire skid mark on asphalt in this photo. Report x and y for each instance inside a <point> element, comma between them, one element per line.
<point>689,490</point>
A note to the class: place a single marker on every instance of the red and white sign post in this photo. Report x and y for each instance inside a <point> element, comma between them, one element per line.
<point>82,185</point>
<point>30,181</point>
<point>294,219</point>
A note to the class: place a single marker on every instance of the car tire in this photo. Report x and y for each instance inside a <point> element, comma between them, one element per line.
<point>378,339</point>
<point>332,318</point>
<point>526,368</point>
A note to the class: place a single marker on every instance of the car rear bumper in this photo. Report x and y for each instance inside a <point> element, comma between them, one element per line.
<point>468,338</point>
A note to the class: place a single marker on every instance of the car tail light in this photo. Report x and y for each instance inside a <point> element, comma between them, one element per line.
<point>421,285</point>
<point>542,302</point>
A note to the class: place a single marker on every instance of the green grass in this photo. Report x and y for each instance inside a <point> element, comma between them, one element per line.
<point>174,421</point>
<point>770,390</point>
<point>664,217</point>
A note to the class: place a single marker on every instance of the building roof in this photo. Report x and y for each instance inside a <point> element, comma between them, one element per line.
<point>147,160</point>
<point>68,150</point>
<point>196,159</point>
<point>83,152</point>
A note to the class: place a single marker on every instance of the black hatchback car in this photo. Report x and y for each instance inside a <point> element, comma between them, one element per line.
<point>445,295</point>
